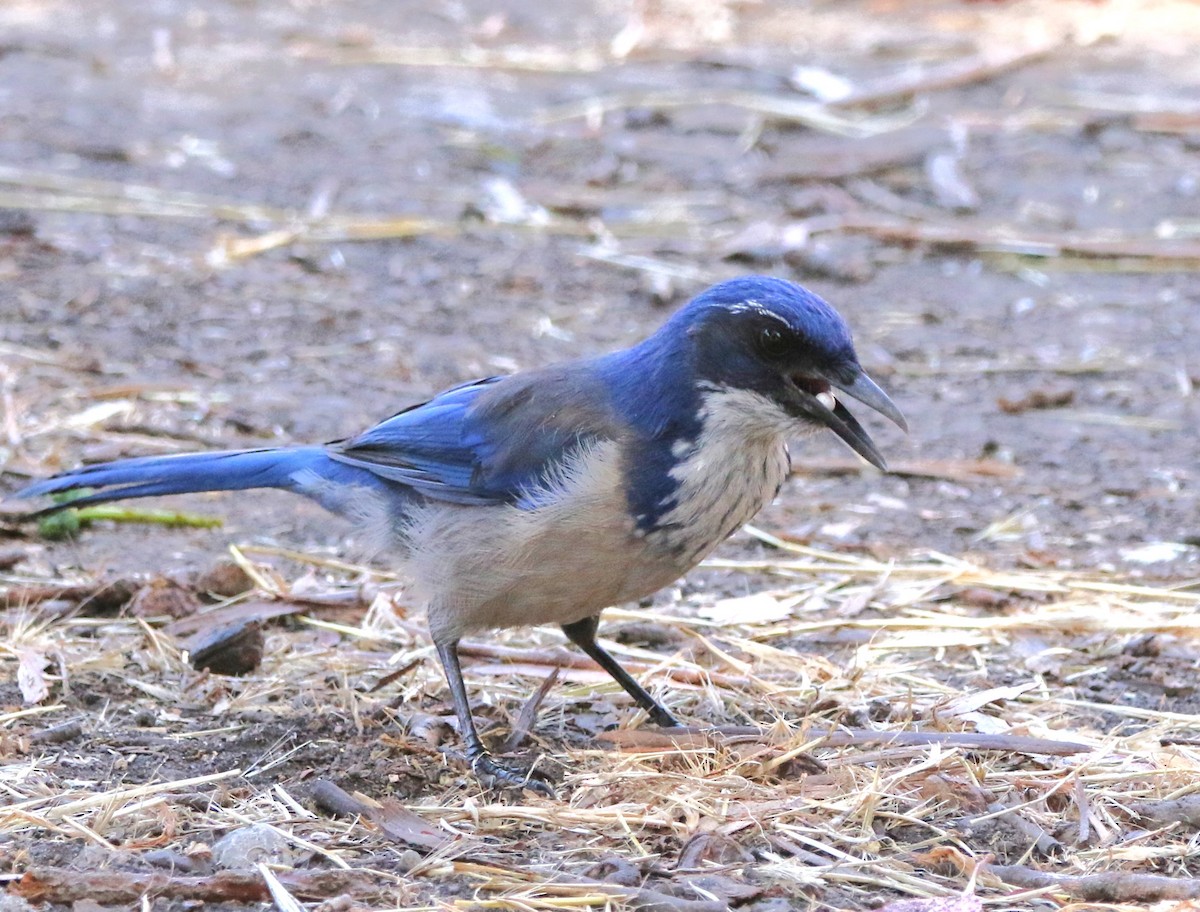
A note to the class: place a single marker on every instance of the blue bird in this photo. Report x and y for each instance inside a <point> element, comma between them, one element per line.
<point>549,495</point>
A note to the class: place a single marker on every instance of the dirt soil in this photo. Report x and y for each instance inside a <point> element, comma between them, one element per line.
<point>237,224</point>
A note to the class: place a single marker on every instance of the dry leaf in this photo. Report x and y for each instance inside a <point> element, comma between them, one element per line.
<point>960,903</point>
<point>759,608</point>
<point>973,702</point>
<point>402,825</point>
<point>31,676</point>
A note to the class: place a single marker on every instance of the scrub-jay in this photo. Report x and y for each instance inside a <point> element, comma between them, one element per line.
<point>548,495</point>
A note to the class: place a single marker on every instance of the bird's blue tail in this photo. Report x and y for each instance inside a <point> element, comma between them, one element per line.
<point>289,468</point>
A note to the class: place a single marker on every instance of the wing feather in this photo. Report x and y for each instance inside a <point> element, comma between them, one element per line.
<point>489,441</point>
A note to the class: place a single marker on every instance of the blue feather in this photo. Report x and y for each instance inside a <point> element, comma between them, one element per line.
<point>496,439</point>
<point>231,470</point>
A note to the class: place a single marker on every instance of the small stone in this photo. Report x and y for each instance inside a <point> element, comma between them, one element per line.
<point>164,598</point>
<point>243,848</point>
<point>234,650</point>
<point>88,905</point>
<point>223,580</point>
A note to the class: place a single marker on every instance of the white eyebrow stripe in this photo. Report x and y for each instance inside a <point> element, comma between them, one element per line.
<point>755,307</point>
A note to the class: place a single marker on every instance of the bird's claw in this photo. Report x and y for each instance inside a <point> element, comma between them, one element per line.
<point>491,773</point>
<point>663,719</point>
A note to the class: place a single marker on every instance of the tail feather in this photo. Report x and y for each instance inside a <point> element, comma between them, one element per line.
<point>149,476</point>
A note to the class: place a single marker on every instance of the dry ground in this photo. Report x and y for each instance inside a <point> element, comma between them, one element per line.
<point>972,680</point>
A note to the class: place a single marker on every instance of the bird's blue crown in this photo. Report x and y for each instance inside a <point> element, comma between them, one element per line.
<point>807,315</point>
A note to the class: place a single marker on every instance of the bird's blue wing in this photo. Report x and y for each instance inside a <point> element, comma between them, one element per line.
<point>489,441</point>
<point>423,446</point>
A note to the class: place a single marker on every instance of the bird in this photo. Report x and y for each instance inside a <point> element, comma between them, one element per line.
<point>547,495</point>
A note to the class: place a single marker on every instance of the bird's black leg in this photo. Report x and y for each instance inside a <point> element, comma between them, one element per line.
<point>583,634</point>
<point>489,771</point>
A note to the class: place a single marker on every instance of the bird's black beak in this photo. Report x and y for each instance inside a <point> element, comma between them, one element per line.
<point>856,384</point>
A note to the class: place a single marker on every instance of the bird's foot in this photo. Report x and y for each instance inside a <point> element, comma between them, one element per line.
<point>492,773</point>
<point>662,718</point>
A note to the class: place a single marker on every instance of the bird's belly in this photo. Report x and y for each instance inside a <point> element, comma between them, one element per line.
<point>578,550</point>
<point>569,557</point>
<point>496,576</point>
<point>559,580</point>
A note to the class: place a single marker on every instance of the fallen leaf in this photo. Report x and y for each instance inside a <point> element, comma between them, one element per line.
<point>1036,399</point>
<point>973,702</point>
<point>759,608</point>
<point>232,650</point>
<point>402,825</point>
<point>652,739</point>
<point>986,724</point>
<point>1157,552</point>
<point>31,678</point>
<point>822,84</point>
<point>728,889</point>
<point>960,903</point>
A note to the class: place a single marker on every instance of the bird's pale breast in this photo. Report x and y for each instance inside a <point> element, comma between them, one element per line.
<point>573,549</point>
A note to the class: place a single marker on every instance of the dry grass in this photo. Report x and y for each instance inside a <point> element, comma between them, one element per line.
<point>862,730</point>
<point>838,643</point>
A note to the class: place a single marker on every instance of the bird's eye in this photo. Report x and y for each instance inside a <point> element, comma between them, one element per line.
<point>773,342</point>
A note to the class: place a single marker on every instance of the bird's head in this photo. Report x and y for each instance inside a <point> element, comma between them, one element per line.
<point>787,346</point>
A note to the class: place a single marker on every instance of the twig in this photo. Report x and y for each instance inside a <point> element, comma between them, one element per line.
<point>396,674</point>
<point>1000,239</point>
<point>58,734</point>
<point>1016,366</point>
<point>283,900</point>
<point>961,470</point>
<point>637,897</point>
<point>812,114</point>
<point>67,885</point>
<point>70,521</point>
<point>532,60</point>
<point>137,194</point>
<point>1181,122</point>
<point>329,230</point>
<point>684,272</point>
<point>528,714</point>
<point>116,796</point>
<point>315,560</point>
<point>112,205</point>
<point>645,899</point>
<point>696,736</point>
<point>332,798</point>
<point>234,614</point>
<point>392,819</point>
<point>990,62</point>
<point>566,659</point>
<point>1164,811</point>
<point>1131,104</point>
<point>105,595</point>
<point>866,155</point>
<point>1109,887</point>
<point>1016,744</point>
